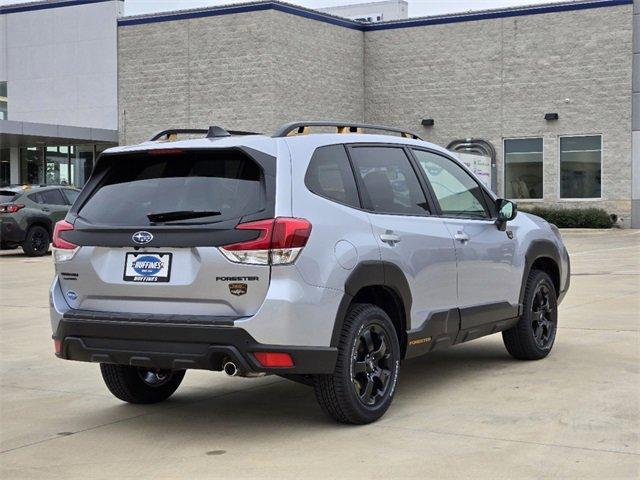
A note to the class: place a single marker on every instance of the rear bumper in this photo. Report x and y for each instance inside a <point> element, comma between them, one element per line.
<point>165,344</point>
<point>11,233</point>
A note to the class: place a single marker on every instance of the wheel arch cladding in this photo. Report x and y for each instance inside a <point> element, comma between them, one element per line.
<point>542,255</point>
<point>382,284</point>
<point>40,222</point>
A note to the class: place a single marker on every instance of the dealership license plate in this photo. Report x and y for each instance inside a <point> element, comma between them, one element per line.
<point>147,267</point>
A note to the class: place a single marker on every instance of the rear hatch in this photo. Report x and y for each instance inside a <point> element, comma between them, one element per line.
<point>149,224</point>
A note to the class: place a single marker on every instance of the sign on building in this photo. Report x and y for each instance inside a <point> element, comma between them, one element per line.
<point>478,164</point>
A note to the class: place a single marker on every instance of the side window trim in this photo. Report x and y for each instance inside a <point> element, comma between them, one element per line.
<point>356,177</point>
<point>429,194</point>
<point>64,197</point>
<point>480,185</point>
<point>365,202</point>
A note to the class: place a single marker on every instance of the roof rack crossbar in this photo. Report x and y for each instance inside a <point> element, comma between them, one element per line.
<point>302,127</point>
<point>212,132</point>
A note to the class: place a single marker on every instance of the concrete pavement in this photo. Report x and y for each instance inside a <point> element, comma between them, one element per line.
<point>469,412</point>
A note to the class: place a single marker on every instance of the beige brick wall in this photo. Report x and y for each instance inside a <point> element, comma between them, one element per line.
<point>496,79</point>
<point>250,71</point>
<point>490,79</point>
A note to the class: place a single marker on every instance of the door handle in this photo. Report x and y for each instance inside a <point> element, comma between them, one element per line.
<point>45,209</point>
<point>389,238</point>
<point>461,237</point>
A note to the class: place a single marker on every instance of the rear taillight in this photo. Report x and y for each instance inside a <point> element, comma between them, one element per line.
<point>279,243</point>
<point>63,250</point>
<point>10,207</point>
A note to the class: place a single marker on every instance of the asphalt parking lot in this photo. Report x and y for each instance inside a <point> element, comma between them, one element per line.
<point>469,412</point>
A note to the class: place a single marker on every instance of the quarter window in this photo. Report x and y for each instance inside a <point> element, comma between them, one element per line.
<point>458,194</point>
<point>523,168</point>
<point>581,167</point>
<point>52,197</point>
<point>71,195</point>
<point>329,175</point>
<point>390,183</point>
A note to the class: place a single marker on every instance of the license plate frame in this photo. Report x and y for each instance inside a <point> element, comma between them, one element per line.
<point>147,273</point>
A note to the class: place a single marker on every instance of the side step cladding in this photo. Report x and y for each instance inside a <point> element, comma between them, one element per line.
<point>384,284</point>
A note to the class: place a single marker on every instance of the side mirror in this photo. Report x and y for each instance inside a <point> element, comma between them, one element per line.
<point>507,210</point>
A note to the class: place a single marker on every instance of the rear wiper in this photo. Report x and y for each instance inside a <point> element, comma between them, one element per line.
<point>180,215</point>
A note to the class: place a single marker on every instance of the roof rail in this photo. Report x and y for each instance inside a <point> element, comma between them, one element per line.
<point>212,132</point>
<point>302,128</point>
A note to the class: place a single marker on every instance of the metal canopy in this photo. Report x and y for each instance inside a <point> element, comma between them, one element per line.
<point>27,134</point>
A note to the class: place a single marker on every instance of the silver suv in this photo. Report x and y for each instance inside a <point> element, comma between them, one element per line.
<point>325,258</point>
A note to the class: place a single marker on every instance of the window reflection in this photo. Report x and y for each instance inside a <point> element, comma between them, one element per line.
<point>523,168</point>
<point>581,166</point>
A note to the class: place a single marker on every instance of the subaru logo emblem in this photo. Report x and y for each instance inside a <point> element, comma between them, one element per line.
<point>142,237</point>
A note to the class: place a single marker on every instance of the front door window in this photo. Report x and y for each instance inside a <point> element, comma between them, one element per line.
<point>458,194</point>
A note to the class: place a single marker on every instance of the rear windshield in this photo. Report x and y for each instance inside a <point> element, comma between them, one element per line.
<point>7,196</point>
<point>215,185</point>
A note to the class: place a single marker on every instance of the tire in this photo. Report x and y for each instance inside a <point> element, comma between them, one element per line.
<point>363,384</point>
<point>140,385</point>
<point>37,241</point>
<point>533,336</point>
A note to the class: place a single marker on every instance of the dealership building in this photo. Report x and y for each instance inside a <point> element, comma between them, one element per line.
<point>546,92</point>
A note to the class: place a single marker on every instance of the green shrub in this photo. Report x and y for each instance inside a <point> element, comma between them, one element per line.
<point>573,217</point>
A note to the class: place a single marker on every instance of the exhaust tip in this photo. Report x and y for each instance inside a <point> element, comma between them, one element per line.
<point>231,369</point>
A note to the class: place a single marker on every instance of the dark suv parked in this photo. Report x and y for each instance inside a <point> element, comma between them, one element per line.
<point>28,214</point>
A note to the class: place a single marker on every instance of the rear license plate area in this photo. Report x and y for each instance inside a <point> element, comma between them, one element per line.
<point>147,267</point>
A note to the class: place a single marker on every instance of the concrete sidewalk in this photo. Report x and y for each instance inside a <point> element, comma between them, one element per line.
<point>469,412</point>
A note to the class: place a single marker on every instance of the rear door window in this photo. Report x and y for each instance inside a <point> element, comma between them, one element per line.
<point>329,175</point>
<point>190,187</point>
<point>52,197</point>
<point>389,181</point>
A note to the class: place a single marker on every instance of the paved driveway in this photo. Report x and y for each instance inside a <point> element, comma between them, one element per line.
<point>469,412</point>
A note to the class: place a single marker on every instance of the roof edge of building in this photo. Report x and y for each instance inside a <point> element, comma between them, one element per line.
<point>45,4</point>
<point>352,24</point>
<point>19,128</point>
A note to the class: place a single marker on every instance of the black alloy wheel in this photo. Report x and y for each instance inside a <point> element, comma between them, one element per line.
<point>362,386</point>
<point>370,365</point>
<point>534,335</point>
<point>36,242</point>
<point>542,318</point>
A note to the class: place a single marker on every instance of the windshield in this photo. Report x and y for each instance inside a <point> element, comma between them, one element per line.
<point>143,189</point>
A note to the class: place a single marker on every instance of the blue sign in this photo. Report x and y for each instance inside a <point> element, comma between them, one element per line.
<point>147,265</point>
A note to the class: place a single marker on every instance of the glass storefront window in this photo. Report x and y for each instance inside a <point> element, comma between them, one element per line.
<point>81,164</point>
<point>57,166</point>
<point>581,167</point>
<point>32,165</point>
<point>523,168</point>
<point>5,167</point>
<point>4,102</point>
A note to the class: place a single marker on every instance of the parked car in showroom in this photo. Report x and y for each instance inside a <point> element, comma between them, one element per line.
<point>29,213</point>
<point>324,258</point>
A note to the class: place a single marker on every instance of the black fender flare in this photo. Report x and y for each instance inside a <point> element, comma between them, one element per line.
<point>369,274</point>
<point>40,220</point>
<point>538,249</point>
